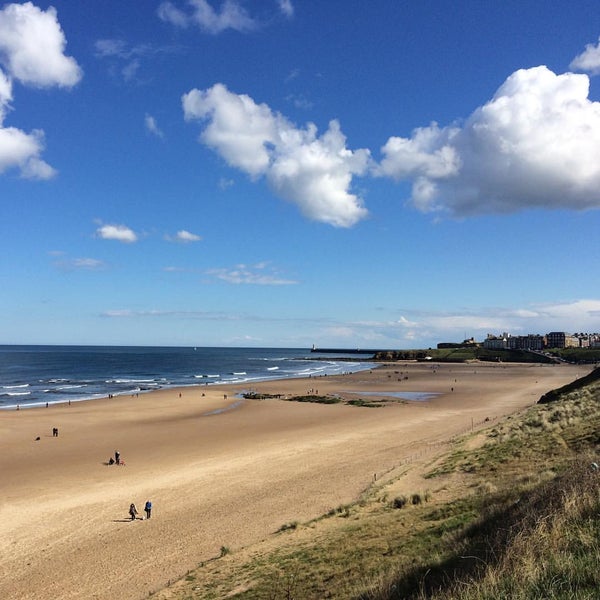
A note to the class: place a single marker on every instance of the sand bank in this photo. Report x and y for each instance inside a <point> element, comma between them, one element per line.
<point>219,472</point>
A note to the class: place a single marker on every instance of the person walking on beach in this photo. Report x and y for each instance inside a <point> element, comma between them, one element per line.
<point>132,511</point>
<point>117,456</point>
<point>148,509</point>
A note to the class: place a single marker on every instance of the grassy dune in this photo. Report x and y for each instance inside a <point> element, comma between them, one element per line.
<point>505,513</point>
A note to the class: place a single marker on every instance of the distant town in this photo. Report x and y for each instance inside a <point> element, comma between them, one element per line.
<point>532,341</point>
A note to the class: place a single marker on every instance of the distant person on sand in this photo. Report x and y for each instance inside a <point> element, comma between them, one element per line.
<point>117,456</point>
<point>55,432</point>
<point>148,509</point>
<point>132,511</point>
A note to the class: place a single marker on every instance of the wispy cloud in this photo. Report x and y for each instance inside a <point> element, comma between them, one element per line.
<point>126,59</point>
<point>120,233</point>
<point>417,328</point>
<point>286,7</point>
<point>80,264</point>
<point>232,15</point>
<point>178,314</point>
<point>184,237</point>
<point>225,183</point>
<point>299,101</point>
<point>152,127</point>
<point>413,328</point>
<point>259,274</point>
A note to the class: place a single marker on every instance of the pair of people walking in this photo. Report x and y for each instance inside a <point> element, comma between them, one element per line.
<point>133,512</point>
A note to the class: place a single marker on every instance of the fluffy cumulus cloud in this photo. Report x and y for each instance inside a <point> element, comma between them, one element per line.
<point>120,233</point>
<point>32,46</point>
<point>588,60</point>
<point>314,172</point>
<point>533,145</point>
<point>232,15</point>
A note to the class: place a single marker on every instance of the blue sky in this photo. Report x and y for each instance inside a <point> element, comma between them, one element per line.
<point>285,172</point>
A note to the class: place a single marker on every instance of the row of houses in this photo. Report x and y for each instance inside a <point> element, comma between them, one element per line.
<point>554,339</point>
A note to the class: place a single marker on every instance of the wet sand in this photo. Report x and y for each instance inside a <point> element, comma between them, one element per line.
<point>219,471</point>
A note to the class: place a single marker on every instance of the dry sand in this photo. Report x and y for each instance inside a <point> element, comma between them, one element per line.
<point>219,471</point>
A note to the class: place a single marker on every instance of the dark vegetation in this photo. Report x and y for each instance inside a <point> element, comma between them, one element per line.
<point>317,399</point>
<point>466,353</point>
<point>577,355</point>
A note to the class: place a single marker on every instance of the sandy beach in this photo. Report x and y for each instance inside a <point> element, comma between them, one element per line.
<point>219,471</point>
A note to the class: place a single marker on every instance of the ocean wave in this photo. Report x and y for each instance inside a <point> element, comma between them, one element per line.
<point>71,375</point>
<point>130,380</point>
<point>11,394</point>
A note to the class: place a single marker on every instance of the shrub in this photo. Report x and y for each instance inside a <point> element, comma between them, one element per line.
<point>399,502</point>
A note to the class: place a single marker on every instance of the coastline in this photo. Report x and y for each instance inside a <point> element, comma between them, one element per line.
<point>36,376</point>
<point>218,474</point>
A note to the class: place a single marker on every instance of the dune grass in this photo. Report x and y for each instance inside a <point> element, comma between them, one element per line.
<point>512,512</point>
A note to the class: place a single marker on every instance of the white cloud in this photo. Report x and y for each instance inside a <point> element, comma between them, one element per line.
<point>5,94</point>
<point>22,150</point>
<point>286,7</point>
<point>231,16</point>
<point>121,233</point>
<point>152,127</point>
<point>576,315</point>
<point>80,264</point>
<point>259,274</point>
<point>130,70</point>
<point>184,237</point>
<point>225,183</point>
<point>32,47</point>
<point>90,264</point>
<point>170,314</point>
<point>314,172</point>
<point>588,60</point>
<point>32,52</point>
<point>533,145</point>
<point>417,328</point>
<point>112,47</point>
<point>571,316</point>
<point>125,59</point>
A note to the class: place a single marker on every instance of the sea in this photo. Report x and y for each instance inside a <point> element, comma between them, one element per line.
<point>35,375</point>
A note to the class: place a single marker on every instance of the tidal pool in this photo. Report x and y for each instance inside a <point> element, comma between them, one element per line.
<point>414,396</point>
